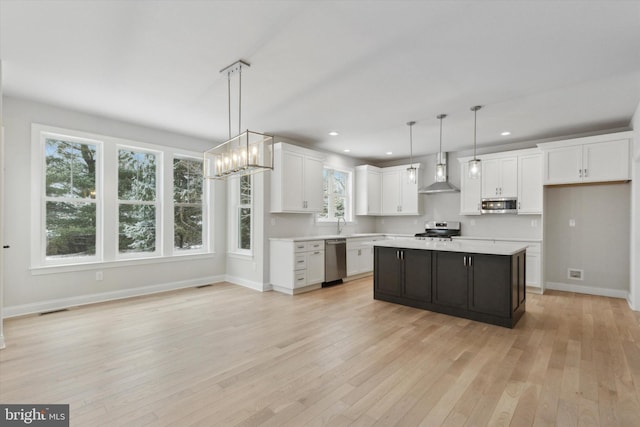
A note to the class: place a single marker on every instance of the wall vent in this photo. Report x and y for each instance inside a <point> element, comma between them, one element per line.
<point>575,274</point>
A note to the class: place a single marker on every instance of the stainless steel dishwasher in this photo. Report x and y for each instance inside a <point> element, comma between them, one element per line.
<point>335,261</point>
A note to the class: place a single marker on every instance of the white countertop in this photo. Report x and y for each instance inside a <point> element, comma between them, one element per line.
<point>498,239</point>
<point>337,236</point>
<point>453,246</point>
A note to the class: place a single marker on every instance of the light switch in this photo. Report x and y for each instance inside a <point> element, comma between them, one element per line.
<point>572,223</point>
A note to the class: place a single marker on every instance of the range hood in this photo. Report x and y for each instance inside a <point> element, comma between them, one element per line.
<point>442,184</point>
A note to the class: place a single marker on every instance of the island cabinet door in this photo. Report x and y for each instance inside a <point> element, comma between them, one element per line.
<point>450,277</point>
<point>489,284</point>
<point>387,274</point>
<point>417,274</point>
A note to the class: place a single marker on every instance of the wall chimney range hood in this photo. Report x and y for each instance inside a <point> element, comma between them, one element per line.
<point>442,184</point>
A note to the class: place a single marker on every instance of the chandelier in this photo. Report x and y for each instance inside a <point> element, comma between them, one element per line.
<point>244,154</point>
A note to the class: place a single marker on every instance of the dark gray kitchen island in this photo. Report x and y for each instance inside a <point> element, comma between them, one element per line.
<point>470,280</point>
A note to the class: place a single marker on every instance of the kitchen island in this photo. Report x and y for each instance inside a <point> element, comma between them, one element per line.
<point>465,279</point>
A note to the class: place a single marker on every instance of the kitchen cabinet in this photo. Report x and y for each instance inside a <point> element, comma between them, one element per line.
<point>296,180</point>
<point>399,197</point>
<point>470,190</point>
<point>360,255</point>
<point>480,286</point>
<point>402,274</point>
<point>368,190</point>
<point>586,160</point>
<point>296,266</point>
<point>499,177</point>
<point>530,184</point>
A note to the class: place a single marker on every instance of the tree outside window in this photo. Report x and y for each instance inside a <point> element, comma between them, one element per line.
<point>137,201</point>
<point>337,198</point>
<point>244,213</point>
<point>70,198</point>
<point>188,208</point>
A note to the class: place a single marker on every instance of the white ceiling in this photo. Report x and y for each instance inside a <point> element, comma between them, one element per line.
<point>363,68</point>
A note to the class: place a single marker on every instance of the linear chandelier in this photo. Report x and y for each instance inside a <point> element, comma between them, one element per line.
<point>244,154</point>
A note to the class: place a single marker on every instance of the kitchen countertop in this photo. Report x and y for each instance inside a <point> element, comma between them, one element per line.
<point>498,239</point>
<point>336,236</point>
<point>453,246</point>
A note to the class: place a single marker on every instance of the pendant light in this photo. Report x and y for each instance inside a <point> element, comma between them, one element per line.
<point>474,164</point>
<point>411,171</point>
<point>441,166</point>
<point>244,154</point>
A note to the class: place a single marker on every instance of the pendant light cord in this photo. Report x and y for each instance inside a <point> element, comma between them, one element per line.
<point>475,116</point>
<point>411,144</point>
<point>239,99</point>
<point>229,100</point>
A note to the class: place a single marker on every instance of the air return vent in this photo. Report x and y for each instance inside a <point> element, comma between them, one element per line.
<point>575,274</point>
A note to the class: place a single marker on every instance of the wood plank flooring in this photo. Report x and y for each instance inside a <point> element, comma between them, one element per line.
<point>225,355</point>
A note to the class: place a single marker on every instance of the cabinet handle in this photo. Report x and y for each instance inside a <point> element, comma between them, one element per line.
<point>519,205</point>
<point>402,255</point>
<point>464,260</point>
<point>301,261</point>
<point>470,263</point>
<point>586,174</point>
<point>580,173</point>
<point>397,254</point>
<point>359,252</point>
<point>316,253</point>
<point>300,279</point>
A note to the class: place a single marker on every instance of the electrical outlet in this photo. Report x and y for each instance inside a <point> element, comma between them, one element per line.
<point>98,275</point>
<point>534,222</point>
<point>572,223</point>
<point>273,221</point>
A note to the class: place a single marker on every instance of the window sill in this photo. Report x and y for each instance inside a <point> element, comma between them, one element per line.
<point>240,255</point>
<point>99,265</point>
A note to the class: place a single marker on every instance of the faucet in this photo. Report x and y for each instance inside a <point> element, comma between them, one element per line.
<point>344,223</point>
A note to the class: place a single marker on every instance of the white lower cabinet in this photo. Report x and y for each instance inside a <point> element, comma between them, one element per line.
<point>296,266</point>
<point>360,255</point>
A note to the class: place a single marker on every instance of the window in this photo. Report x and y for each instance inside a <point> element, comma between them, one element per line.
<point>136,201</point>
<point>244,213</point>
<point>70,198</point>
<point>103,199</point>
<point>187,204</point>
<point>337,195</point>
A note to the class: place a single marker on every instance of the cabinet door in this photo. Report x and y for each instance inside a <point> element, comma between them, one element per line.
<point>450,279</point>
<point>315,267</point>
<point>366,260</point>
<point>373,193</point>
<point>409,194</point>
<point>391,193</point>
<point>490,178</point>
<point>313,183</point>
<point>417,274</point>
<point>563,165</point>
<point>533,269</point>
<point>353,261</point>
<point>469,192</point>
<point>530,184</point>
<point>292,181</point>
<point>489,284</point>
<point>386,278</point>
<point>606,161</point>
<point>509,177</point>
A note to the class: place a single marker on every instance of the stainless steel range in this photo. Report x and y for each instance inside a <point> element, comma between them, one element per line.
<point>439,230</point>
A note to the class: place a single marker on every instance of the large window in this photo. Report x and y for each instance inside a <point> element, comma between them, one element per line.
<point>103,199</point>
<point>136,201</point>
<point>187,204</point>
<point>70,198</point>
<point>337,195</point>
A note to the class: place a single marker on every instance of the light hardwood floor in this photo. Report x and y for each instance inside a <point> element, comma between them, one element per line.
<point>225,355</point>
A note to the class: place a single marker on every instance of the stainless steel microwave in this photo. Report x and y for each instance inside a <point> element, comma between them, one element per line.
<point>499,206</point>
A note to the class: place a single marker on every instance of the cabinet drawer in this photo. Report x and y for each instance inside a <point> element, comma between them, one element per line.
<point>300,279</point>
<point>315,245</point>
<point>300,246</point>
<point>301,262</point>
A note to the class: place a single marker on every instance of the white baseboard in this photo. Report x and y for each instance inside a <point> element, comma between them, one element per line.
<point>580,289</point>
<point>62,303</point>
<point>256,286</point>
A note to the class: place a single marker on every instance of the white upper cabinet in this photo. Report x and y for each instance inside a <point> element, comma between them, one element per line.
<point>470,190</point>
<point>599,158</point>
<point>296,180</point>
<point>530,184</point>
<point>368,190</point>
<point>399,197</point>
<point>500,177</point>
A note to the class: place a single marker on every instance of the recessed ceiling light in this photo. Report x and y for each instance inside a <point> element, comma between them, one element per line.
<point>346,150</point>
<point>334,133</point>
<point>389,153</point>
<point>505,133</point>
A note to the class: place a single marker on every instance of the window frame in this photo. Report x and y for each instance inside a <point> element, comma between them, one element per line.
<point>234,217</point>
<point>107,253</point>
<point>348,217</point>
<point>203,206</point>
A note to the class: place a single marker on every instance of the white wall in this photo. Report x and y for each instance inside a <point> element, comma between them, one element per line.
<point>634,296</point>
<point>2,342</point>
<point>29,291</point>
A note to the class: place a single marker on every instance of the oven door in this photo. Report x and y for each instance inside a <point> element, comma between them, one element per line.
<point>499,206</point>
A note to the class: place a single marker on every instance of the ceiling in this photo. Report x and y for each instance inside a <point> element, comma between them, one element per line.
<point>540,69</point>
